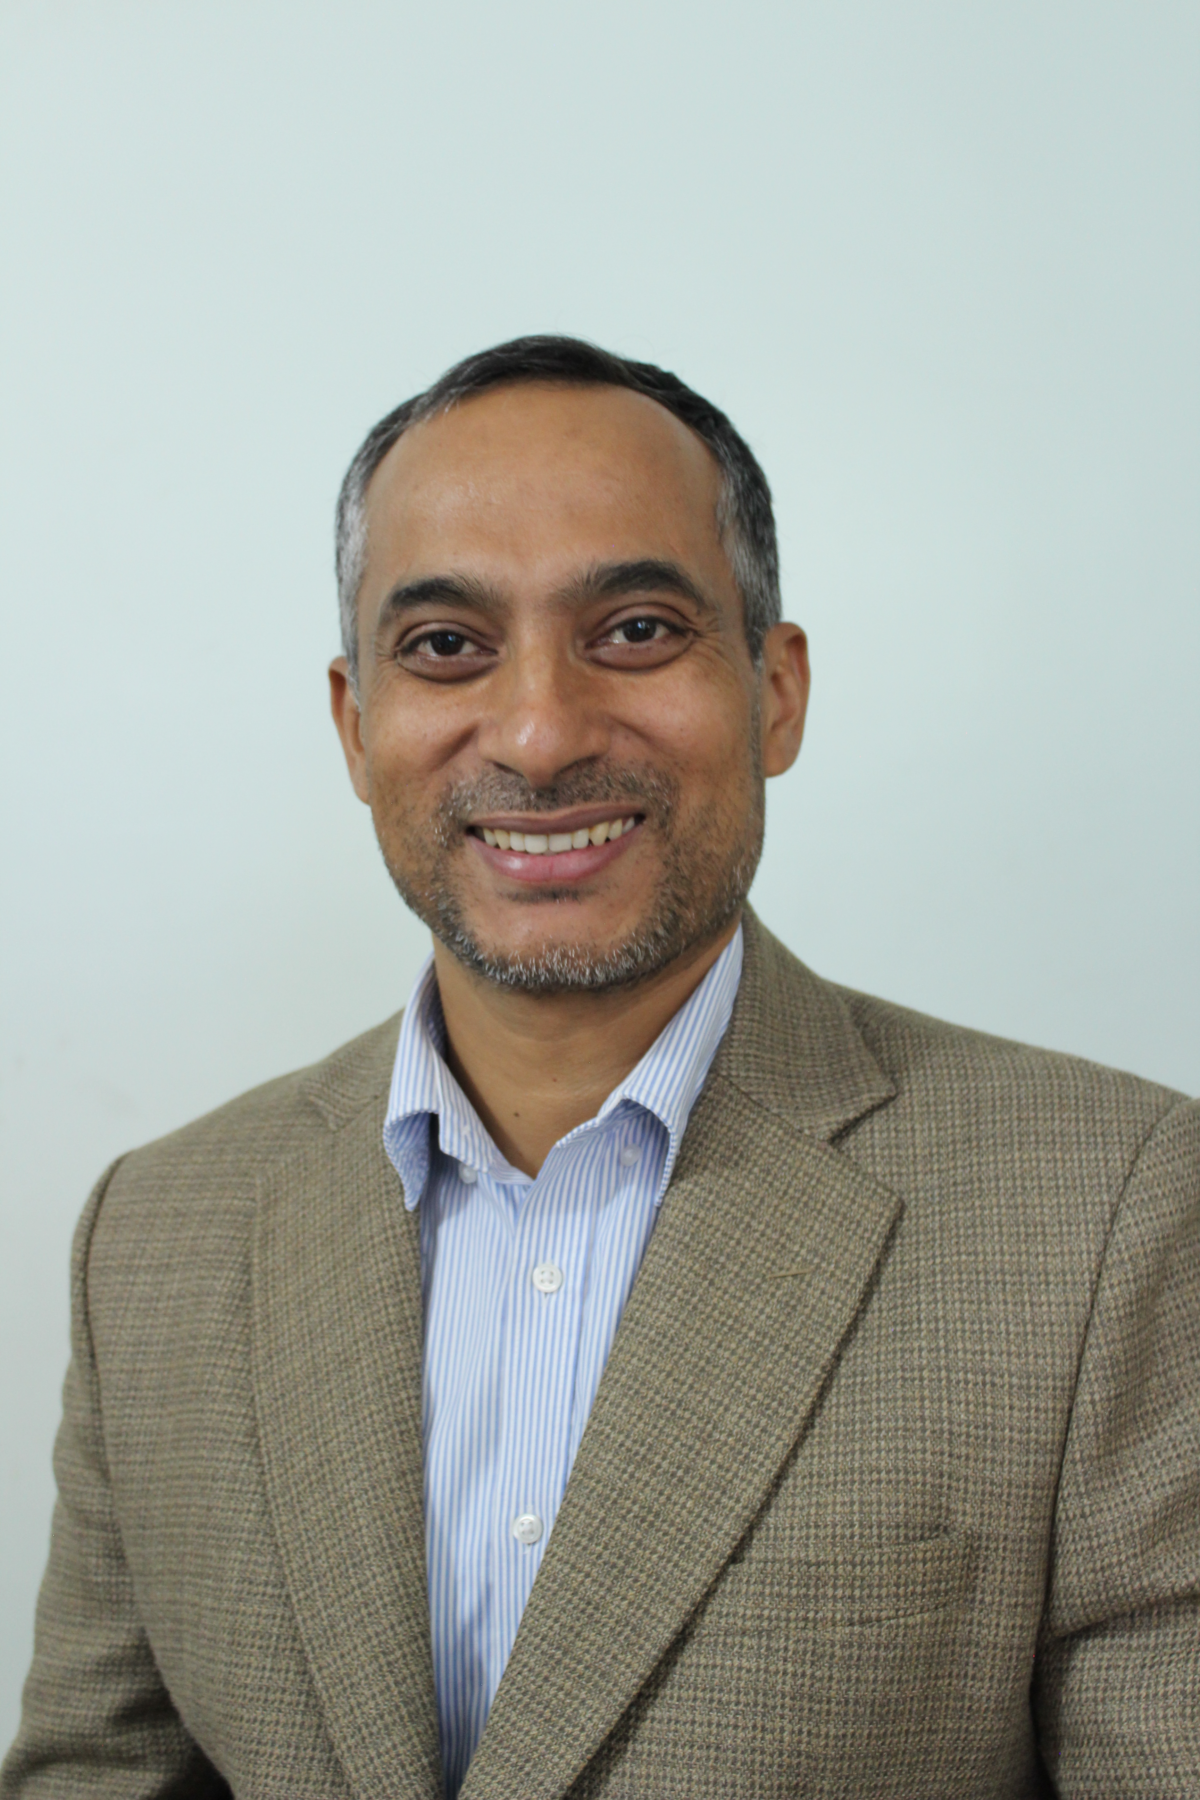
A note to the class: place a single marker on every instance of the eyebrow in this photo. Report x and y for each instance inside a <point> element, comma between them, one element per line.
<point>603,581</point>
<point>648,575</point>
<point>457,590</point>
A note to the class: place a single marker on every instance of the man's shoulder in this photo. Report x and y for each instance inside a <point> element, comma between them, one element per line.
<point>922,1044</point>
<point>834,1058</point>
<point>227,1149</point>
<point>956,1074</point>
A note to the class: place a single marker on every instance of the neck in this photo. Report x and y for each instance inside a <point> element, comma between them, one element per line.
<point>534,1066</point>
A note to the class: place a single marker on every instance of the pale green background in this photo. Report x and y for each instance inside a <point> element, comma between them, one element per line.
<point>938,261</point>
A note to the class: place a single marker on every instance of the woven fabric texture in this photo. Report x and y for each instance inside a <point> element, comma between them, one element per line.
<point>891,1487</point>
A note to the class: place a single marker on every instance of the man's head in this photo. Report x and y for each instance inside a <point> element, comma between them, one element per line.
<point>560,608</point>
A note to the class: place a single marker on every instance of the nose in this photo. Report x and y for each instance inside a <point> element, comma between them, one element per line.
<point>545,717</point>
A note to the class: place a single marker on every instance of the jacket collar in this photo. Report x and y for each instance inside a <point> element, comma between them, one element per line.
<point>792,1046</point>
<point>353,1077</point>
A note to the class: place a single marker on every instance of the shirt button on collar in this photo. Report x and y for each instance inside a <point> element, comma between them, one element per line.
<point>527,1528</point>
<point>547,1278</point>
<point>467,1175</point>
<point>630,1154</point>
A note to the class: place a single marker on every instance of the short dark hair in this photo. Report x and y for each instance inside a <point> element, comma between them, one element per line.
<point>745,519</point>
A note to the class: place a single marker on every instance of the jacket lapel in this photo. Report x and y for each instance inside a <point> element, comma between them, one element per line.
<point>337,1364</point>
<point>766,1245</point>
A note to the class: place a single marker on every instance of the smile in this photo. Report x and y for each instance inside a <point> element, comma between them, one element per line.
<point>554,857</point>
<point>553,843</point>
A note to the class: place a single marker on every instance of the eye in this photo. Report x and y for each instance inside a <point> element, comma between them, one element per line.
<point>443,652</point>
<point>642,641</point>
<point>443,643</point>
<point>640,631</point>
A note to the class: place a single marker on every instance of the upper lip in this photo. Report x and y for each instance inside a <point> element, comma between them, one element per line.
<point>578,818</point>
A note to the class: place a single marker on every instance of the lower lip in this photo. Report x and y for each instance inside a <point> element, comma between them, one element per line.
<point>555,867</point>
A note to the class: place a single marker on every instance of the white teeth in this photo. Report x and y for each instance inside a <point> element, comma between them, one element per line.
<point>537,843</point>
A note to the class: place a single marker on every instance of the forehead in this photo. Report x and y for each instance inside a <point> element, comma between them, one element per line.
<point>534,473</point>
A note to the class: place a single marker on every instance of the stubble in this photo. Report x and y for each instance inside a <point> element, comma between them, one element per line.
<point>707,866</point>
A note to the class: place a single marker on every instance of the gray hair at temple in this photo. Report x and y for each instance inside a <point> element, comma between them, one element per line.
<point>745,520</point>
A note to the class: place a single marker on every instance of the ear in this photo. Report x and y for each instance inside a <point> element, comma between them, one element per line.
<point>347,716</point>
<point>785,684</point>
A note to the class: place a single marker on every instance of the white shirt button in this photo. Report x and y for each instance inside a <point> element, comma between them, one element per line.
<point>467,1175</point>
<point>527,1528</point>
<point>630,1154</point>
<point>547,1278</point>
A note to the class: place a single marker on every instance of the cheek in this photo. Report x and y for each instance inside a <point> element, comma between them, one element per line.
<point>407,745</point>
<point>704,729</point>
<point>400,791</point>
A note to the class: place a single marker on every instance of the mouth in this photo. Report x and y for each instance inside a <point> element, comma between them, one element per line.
<point>566,848</point>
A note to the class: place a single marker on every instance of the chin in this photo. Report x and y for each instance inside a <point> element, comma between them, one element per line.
<point>546,963</point>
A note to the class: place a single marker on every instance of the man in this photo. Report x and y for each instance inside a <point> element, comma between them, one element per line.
<point>835,1372</point>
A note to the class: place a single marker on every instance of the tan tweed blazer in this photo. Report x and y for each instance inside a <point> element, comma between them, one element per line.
<point>891,1488</point>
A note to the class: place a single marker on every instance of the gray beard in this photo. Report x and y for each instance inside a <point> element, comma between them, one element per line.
<point>703,887</point>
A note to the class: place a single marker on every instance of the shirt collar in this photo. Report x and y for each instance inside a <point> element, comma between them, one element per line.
<point>668,1080</point>
<point>665,1083</point>
<point>423,1088</point>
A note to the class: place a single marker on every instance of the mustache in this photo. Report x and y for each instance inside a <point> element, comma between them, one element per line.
<point>502,790</point>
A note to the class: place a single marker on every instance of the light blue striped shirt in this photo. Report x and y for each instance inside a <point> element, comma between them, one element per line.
<point>524,1283</point>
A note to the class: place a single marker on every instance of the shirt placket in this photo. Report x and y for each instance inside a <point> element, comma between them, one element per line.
<point>543,1322</point>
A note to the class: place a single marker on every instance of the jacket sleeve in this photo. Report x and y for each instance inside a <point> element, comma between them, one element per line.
<point>96,1719</point>
<point>1117,1687</point>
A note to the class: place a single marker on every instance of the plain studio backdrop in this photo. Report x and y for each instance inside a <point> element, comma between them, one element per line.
<point>939,262</point>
